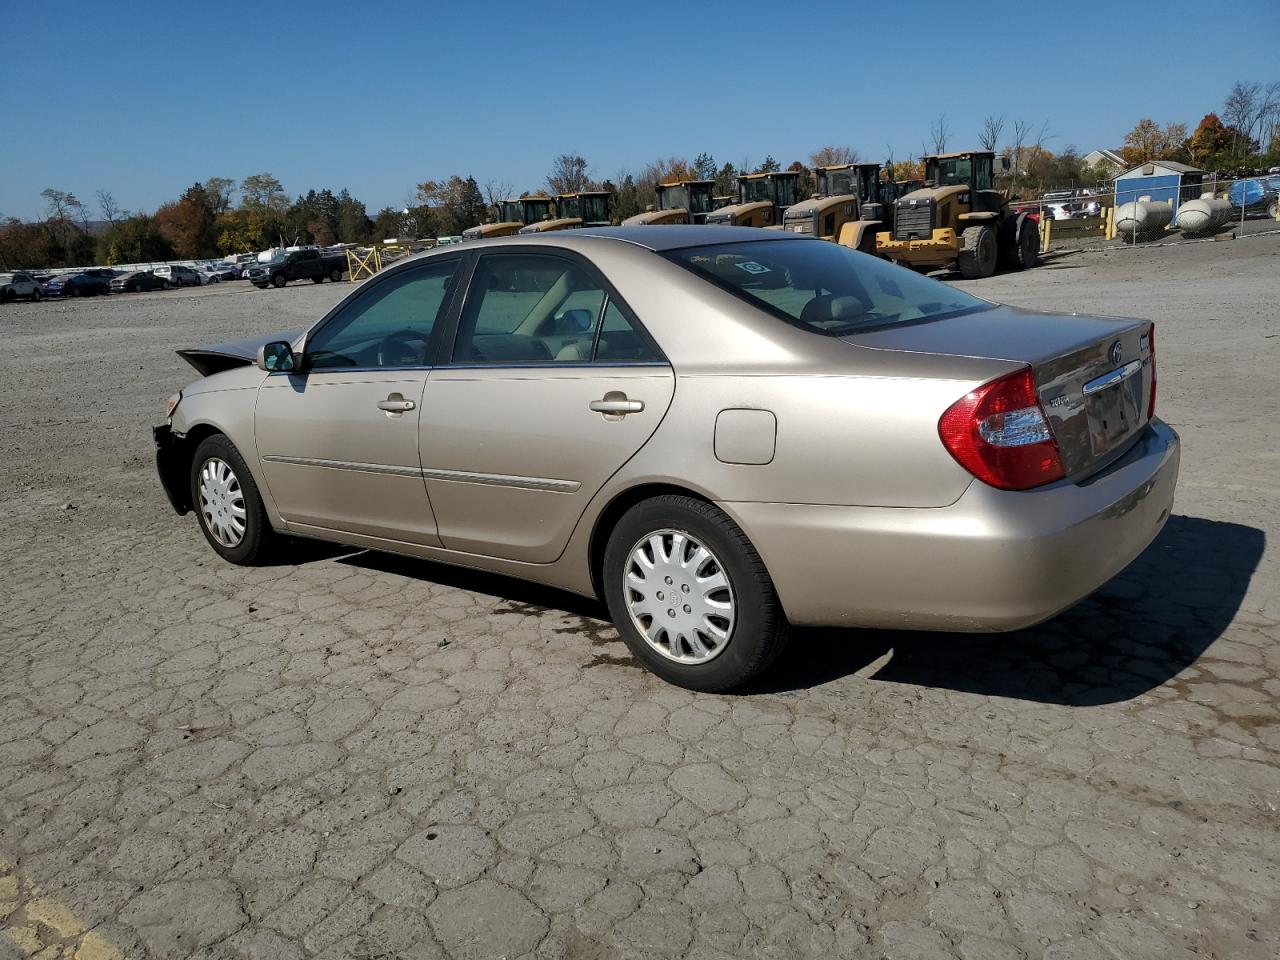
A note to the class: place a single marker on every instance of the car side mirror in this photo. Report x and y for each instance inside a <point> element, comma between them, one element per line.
<point>275,357</point>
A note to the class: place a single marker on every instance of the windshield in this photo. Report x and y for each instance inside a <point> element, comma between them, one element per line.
<point>824,287</point>
<point>593,209</point>
<point>700,200</point>
<point>536,210</point>
<point>950,172</point>
<point>671,197</point>
<point>568,207</point>
<point>840,182</point>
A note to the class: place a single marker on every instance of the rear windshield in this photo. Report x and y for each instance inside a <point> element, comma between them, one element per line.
<point>823,286</point>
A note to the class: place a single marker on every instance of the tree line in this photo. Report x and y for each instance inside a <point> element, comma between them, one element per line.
<point>221,216</point>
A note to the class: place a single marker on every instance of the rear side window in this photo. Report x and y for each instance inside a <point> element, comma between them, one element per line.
<point>823,286</point>
<point>527,308</point>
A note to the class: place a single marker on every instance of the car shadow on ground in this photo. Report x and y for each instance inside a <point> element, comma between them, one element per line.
<point>1137,632</point>
<point>1134,634</point>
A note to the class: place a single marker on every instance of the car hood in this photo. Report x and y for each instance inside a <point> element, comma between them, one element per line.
<point>216,357</point>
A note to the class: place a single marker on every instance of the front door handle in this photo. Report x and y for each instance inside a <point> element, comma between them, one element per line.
<point>396,404</point>
<point>617,403</point>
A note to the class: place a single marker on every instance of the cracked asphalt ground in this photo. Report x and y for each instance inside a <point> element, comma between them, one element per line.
<point>202,760</point>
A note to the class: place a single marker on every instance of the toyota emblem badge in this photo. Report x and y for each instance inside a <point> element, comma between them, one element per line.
<point>1116,353</point>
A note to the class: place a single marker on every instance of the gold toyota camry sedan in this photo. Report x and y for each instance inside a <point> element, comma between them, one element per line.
<point>721,432</point>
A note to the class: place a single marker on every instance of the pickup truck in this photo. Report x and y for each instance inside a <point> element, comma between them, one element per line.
<point>297,265</point>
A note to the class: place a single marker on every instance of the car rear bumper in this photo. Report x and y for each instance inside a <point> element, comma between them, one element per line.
<point>993,561</point>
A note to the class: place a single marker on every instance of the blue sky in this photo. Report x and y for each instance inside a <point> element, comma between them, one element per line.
<point>378,97</point>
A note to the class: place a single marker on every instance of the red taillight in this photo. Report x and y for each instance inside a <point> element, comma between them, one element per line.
<point>1151,347</point>
<point>1000,434</point>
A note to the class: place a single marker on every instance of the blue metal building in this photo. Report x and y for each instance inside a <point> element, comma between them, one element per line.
<point>1161,180</point>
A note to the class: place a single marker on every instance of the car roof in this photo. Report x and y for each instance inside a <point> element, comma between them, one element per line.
<point>652,237</point>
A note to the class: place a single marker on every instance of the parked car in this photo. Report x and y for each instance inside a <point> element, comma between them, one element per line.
<point>1258,196</point>
<point>222,270</point>
<point>76,285</point>
<point>178,275</point>
<point>307,264</point>
<point>19,285</point>
<point>719,431</point>
<point>138,281</point>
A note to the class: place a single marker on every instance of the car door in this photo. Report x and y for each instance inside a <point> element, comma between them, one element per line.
<point>550,387</point>
<point>338,439</point>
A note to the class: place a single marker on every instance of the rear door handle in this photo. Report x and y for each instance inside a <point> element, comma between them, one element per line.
<point>396,404</point>
<point>617,403</point>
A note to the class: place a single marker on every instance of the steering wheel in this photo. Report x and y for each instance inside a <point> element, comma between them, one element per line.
<point>398,349</point>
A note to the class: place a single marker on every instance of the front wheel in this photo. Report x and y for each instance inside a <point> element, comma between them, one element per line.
<point>278,281</point>
<point>227,501</point>
<point>75,291</point>
<point>165,285</point>
<point>978,251</point>
<point>318,279</point>
<point>690,595</point>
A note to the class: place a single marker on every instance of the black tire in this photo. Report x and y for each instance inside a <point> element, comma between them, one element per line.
<point>165,285</point>
<point>1027,250</point>
<point>258,539</point>
<point>978,252</point>
<point>74,291</point>
<point>1272,209</point>
<point>335,274</point>
<point>279,280</point>
<point>37,295</point>
<point>760,630</point>
<point>319,279</point>
<point>8,296</point>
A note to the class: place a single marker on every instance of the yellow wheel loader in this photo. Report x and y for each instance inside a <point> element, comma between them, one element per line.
<point>685,201</point>
<point>762,198</point>
<point>512,215</point>
<point>958,219</point>
<point>846,207</point>
<point>589,208</point>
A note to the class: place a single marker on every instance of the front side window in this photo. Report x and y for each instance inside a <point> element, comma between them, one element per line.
<point>389,326</point>
<point>824,287</point>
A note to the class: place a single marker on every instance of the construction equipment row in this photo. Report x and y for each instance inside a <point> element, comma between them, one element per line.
<point>953,218</point>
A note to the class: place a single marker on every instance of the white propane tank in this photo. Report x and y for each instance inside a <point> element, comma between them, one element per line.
<point>1138,219</point>
<point>1203,216</point>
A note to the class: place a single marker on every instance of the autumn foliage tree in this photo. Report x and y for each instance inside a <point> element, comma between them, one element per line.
<point>188,224</point>
<point>1149,141</point>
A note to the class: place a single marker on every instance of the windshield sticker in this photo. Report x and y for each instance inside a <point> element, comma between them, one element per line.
<point>752,267</point>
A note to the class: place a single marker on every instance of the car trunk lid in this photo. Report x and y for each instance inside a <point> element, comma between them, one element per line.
<point>1094,375</point>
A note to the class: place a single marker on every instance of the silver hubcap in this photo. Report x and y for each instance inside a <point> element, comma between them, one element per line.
<point>679,597</point>
<point>222,502</point>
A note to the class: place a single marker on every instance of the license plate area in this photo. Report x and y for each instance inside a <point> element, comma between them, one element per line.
<point>1114,412</point>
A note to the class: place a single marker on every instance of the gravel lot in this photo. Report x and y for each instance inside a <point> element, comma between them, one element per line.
<point>202,760</point>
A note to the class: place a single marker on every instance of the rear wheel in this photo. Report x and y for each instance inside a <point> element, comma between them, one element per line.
<point>7,296</point>
<point>978,252</point>
<point>319,279</point>
<point>165,285</point>
<point>335,274</point>
<point>278,280</point>
<point>37,295</point>
<point>227,501</point>
<point>1274,209</point>
<point>74,291</point>
<point>1027,252</point>
<point>690,595</point>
